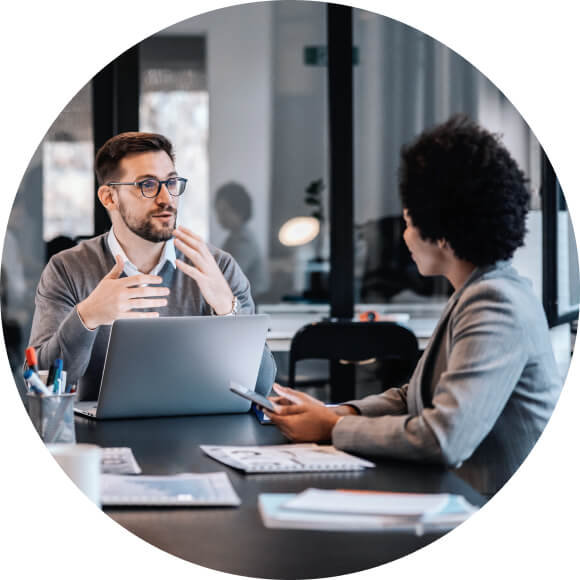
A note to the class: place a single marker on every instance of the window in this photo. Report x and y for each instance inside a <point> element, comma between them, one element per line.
<point>67,171</point>
<point>174,101</point>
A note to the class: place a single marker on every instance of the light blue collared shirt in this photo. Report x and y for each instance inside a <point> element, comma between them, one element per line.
<point>168,255</point>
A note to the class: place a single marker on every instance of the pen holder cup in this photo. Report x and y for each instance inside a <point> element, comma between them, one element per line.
<point>53,416</point>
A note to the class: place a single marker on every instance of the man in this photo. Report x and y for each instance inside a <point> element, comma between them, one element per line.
<point>233,207</point>
<point>144,267</point>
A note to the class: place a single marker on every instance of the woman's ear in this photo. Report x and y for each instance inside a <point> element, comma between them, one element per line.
<point>442,244</point>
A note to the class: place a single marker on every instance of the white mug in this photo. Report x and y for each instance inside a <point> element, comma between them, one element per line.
<point>82,463</point>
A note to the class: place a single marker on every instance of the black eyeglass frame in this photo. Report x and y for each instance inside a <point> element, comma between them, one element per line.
<point>160,183</point>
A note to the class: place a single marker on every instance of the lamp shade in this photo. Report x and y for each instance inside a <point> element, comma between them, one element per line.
<point>298,231</point>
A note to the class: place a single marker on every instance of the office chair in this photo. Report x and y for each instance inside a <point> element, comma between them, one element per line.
<point>346,344</point>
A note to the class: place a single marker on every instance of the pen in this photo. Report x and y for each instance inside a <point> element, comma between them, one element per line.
<point>31,359</point>
<point>51,372</point>
<point>35,381</point>
<point>57,375</point>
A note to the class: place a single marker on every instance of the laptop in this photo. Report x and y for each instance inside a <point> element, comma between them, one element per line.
<point>178,365</point>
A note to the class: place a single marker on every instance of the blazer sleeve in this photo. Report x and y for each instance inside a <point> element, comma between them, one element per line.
<point>392,402</point>
<point>486,357</point>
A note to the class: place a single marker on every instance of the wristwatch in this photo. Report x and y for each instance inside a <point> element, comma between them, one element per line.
<point>235,307</point>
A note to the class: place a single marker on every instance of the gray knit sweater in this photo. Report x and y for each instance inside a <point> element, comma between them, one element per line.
<point>70,276</point>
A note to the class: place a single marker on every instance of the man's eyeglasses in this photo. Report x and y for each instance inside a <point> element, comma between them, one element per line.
<point>151,187</point>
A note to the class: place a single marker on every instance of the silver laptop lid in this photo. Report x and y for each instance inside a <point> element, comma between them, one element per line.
<point>180,365</point>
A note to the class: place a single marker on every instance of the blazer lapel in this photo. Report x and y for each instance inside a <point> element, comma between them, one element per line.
<point>420,391</point>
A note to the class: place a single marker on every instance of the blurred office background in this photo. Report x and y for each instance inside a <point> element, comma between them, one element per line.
<point>244,95</point>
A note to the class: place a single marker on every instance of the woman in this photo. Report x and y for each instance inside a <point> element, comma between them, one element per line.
<point>487,382</point>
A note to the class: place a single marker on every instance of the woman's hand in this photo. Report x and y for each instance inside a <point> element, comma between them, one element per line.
<point>300,417</point>
<point>289,396</point>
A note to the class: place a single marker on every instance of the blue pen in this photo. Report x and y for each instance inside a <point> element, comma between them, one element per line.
<point>57,373</point>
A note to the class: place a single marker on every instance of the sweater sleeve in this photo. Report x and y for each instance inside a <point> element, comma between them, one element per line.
<point>57,330</point>
<point>486,358</point>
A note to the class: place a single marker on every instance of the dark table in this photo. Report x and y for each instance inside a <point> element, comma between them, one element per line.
<point>234,539</point>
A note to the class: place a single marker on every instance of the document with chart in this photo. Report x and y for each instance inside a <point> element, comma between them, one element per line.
<point>285,458</point>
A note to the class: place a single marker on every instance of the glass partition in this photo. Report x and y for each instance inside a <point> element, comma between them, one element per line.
<point>52,209</point>
<point>405,82</point>
<point>266,143</point>
<point>174,101</point>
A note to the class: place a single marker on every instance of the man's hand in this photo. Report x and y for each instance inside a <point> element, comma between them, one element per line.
<point>204,271</point>
<point>116,298</point>
<point>303,418</point>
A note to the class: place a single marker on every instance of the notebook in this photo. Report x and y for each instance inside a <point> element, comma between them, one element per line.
<point>307,457</point>
<point>343,510</point>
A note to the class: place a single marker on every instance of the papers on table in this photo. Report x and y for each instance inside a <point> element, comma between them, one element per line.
<point>286,458</point>
<point>317,509</point>
<point>119,460</point>
<point>368,502</point>
<point>185,489</point>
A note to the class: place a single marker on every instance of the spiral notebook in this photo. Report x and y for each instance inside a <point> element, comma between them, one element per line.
<point>286,458</point>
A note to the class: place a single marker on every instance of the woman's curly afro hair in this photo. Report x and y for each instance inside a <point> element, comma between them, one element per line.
<point>459,183</point>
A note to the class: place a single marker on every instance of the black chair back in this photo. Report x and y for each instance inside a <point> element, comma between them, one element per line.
<point>352,342</point>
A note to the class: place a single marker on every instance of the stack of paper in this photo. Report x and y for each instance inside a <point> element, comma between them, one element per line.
<point>348,510</point>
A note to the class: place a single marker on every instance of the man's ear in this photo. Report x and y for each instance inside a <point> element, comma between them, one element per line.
<point>108,197</point>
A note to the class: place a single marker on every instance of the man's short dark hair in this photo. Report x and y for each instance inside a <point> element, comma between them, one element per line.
<point>109,156</point>
<point>237,198</point>
<point>459,183</point>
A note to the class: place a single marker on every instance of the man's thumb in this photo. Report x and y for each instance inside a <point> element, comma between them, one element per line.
<point>117,268</point>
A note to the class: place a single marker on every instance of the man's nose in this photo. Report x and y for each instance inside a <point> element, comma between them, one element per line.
<point>164,197</point>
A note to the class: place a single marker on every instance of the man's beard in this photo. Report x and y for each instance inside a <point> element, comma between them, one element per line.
<point>145,228</point>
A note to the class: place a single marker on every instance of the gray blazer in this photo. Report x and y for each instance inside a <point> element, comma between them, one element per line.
<point>480,395</point>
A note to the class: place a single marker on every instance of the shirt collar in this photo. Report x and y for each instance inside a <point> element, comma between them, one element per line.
<point>168,255</point>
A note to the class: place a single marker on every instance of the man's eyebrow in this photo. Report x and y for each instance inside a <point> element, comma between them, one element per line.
<point>151,176</point>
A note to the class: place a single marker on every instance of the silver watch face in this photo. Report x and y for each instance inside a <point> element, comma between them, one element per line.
<point>235,305</point>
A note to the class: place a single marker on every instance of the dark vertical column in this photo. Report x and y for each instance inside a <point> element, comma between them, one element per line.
<point>115,110</point>
<point>549,240</point>
<point>340,97</point>
<point>341,161</point>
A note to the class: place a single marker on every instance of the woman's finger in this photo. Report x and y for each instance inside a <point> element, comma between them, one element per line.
<point>290,394</point>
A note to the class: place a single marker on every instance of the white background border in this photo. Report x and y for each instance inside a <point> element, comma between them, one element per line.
<point>49,50</point>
